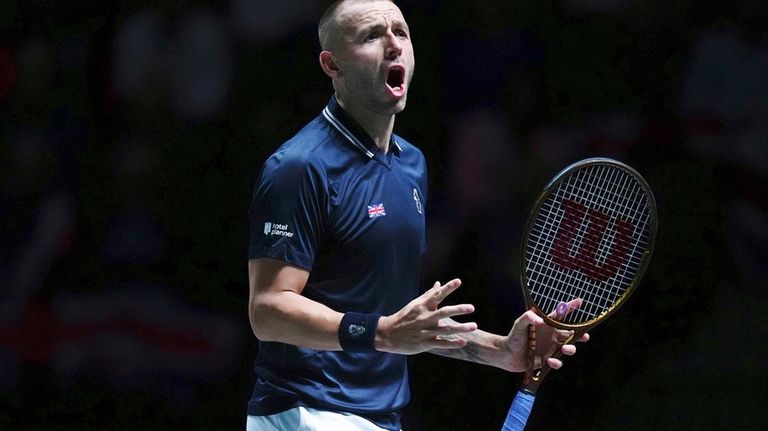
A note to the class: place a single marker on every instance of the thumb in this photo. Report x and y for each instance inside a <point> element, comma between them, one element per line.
<point>520,327</point>
<point>529,318</point>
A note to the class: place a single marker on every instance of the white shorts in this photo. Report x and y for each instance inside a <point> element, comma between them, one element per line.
<point>309,419</point>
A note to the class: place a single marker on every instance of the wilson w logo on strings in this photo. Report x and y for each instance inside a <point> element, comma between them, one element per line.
<point>591,242</point>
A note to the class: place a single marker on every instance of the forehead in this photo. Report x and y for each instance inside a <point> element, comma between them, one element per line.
<point>355,16</point>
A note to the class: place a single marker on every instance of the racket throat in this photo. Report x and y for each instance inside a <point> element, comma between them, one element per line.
<point>533,379</point>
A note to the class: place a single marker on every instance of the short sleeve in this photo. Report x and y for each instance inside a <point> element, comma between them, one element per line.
<point>286,212</point>
<point>425,196</point>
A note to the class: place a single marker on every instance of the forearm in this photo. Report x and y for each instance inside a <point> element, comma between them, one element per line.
<point>278,312</point>
<point>291,318</point>
<point>482,348</point>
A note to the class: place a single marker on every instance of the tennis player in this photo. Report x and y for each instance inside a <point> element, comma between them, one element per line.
<point>336,240</point>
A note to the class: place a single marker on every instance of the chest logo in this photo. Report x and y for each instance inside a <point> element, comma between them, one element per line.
<point>376,210</point>
<point>418,200</point>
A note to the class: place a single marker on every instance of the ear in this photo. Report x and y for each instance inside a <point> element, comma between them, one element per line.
<point>329,65</point>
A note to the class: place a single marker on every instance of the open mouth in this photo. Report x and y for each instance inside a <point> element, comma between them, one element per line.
<point>396,77</point>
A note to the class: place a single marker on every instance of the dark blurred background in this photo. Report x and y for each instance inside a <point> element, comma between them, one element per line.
<point>131,133</point>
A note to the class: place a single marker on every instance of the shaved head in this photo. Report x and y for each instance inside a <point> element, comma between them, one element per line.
<point>329,29</point>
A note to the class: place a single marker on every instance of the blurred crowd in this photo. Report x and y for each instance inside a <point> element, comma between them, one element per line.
<point>131,132</point>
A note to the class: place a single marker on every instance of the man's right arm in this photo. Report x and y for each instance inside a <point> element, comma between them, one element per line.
<point>278,312</point>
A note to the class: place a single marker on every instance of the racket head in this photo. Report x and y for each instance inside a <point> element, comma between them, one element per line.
<point>590,235</point>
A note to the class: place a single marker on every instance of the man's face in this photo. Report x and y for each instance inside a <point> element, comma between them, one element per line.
<point>375,56</point>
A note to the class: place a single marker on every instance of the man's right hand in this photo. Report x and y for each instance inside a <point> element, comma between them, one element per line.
<point>420,325</point>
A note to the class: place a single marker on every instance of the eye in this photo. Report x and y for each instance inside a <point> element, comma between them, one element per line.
<point>401,33</point>
<point>371,37</point>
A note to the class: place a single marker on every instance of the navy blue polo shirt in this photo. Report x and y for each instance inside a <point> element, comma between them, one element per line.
<point>330,201</point>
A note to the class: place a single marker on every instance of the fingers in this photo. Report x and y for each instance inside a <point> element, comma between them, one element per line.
<point>454,310</point>
<point>446,335</point>
<point>562,336</point>
<point>434,296</point>
<point>568,349</point>
<point>421,325</point>
<point>567,308</point>
<point>438,293</point>
<point>554,363</point>
<point>562,341</point>
<point>575,304</point>
<point>447,343</point>
<point>450,327</point>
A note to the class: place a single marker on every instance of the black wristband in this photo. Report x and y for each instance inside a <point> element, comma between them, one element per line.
<point>357,332</point>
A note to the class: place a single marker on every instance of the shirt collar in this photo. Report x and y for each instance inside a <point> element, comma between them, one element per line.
<point>352,131</point>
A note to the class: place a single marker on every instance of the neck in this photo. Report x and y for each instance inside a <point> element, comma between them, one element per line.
<point>378,127</point>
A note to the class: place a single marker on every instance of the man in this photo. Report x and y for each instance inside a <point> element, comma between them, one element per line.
<point>336,238</point>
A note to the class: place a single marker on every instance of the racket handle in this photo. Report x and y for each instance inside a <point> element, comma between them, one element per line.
<point>518,413</point>
<point>530,354</point>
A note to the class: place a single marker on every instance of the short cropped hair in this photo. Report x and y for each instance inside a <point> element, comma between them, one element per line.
<point>327,29</point>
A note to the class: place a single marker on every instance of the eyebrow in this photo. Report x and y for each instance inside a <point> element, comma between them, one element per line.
<point>396,23</point>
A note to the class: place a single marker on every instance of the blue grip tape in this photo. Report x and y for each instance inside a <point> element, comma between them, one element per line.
<point>518,413</point>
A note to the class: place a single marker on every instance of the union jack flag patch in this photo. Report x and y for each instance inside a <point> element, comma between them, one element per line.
<point>376,210</point>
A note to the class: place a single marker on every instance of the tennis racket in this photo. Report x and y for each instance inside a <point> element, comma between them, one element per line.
<point>590,235</point>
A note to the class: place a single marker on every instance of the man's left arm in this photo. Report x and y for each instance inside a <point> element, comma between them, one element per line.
<point>510,352</point>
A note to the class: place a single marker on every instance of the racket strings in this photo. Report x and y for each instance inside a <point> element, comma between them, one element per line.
<point>608,190</point>
<point>592,298</point>
<point>588,241</point>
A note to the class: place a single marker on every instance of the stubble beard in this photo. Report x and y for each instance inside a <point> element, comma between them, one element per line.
<point>369,95</point>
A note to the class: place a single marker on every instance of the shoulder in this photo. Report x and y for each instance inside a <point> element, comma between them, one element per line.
<point>408,149</point>
<point>405,144</point>
<point>299,154</point>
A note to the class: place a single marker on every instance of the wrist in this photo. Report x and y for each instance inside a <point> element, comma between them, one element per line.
<point>505,358</point>
<point>357,331</point>
<point>381,340</point>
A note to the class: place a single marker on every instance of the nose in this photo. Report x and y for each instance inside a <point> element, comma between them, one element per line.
<point>394,47</point>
